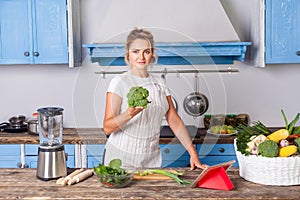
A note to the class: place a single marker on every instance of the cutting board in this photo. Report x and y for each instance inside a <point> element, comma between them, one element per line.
<point>153,176</point>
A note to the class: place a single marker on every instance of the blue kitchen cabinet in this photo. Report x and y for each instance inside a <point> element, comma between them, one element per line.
<point>10,155</point>
<point>174,155</point>
<point>94,153</point>
<point>282,42</point>
<point>212,154</point>
<point>31,155</point>
<point>34,32</point>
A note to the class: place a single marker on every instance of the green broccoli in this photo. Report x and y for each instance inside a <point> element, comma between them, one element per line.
<point>268,148</point>
<point>137,96</point>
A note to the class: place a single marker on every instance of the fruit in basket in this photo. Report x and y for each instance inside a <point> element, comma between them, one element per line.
<point>287,151</point>
<point>268,148</point>
<point>278,135</point>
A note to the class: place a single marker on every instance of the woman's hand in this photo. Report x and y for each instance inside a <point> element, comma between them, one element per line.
<point>134,111</point>
<point>195,162</point>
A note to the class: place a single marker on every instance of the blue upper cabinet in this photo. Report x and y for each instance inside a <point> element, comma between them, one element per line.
<point>15,32</point>
<point>282,31</point>
<point>37,32</point>
<point>50,31</point>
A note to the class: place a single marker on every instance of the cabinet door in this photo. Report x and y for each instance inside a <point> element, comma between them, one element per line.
<point>15,32</point>
<point>10,155</point>
<point>174,155</point>
<point>50,32</point>
<point>282,31</point>
<point>94,153</point>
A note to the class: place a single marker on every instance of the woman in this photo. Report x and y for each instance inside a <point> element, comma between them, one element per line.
<point>134,132</point>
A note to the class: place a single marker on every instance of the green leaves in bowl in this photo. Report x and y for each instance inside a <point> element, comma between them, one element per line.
<point>113,176</point>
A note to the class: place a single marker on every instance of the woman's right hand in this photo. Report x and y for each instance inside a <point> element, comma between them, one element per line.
<point>134,111</point>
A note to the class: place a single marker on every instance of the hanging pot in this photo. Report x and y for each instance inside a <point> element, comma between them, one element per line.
<point>196,103</point>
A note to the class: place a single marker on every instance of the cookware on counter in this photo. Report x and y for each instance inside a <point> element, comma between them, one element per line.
<point>196,103</point>
<point>16,124</point>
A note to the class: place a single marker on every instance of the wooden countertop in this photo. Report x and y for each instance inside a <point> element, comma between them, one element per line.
<point>96,136</point>
<point>15,185</point>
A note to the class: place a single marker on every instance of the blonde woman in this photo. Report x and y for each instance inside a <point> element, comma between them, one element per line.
<point>134,132</point>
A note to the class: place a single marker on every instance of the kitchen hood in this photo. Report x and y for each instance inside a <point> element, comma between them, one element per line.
<point>182,53</point>
<point>204,35</point>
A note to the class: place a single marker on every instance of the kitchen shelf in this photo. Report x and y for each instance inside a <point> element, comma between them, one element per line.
<point>183,53</point>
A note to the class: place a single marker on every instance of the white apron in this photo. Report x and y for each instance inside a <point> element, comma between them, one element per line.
<point>137,143</point>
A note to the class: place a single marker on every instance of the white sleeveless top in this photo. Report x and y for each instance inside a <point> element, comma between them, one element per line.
<point>137,143</point>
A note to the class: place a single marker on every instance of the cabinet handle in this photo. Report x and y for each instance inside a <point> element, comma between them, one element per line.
<point>166,150</point>
<point>222,150</point>
<point>298,53</point>
<point>36,54</point>
<point>19,165</point>
<point>26,53</point>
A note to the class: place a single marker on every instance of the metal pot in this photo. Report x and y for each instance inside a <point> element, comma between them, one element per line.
<point>17,121</point>
<point>196,103</point>
<point>32,126</point>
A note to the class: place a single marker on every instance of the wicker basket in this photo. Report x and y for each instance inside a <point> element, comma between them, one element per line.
<point>269,171</point>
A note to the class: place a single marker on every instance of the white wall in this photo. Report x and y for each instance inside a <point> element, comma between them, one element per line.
<point>260,92</point>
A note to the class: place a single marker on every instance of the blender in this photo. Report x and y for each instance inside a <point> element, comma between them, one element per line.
<point>51,153</point>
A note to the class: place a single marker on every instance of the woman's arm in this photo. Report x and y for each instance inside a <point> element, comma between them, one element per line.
<point>113,119</point>
<point>177,126</point>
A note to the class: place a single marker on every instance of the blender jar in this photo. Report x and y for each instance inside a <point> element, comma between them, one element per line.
<point>50,125</point>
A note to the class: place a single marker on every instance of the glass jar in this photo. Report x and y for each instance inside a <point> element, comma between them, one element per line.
<point>206,120</point>
<point>230,120</point>
<point>242,119</point>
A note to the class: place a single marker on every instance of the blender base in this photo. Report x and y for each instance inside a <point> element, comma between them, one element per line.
<point>51,162</point>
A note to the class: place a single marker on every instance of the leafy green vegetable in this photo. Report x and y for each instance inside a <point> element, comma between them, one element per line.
<point>112,175</point>
<point>172,174</point>
<point>137,96</point>
<point>285,120</point>
<point>293,122</point>
<point>268,148</point>
<point>246,131</point>
<point>297,140</point>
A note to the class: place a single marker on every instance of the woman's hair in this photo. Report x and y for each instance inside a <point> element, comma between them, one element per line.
<point>139,33</point>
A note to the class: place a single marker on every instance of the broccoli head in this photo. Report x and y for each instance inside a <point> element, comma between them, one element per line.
<point>268,148</point>
<point>137,96</point>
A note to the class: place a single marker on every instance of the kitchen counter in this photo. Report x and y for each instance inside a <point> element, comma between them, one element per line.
<point>15,184</point>
<point>96,136</point>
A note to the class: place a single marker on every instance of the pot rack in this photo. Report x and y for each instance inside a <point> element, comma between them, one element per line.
<point>229,70</point>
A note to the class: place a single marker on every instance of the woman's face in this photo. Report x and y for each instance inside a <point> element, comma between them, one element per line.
<point>140,54</point>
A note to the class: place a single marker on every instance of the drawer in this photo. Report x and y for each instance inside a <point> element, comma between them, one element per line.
<point>10,149</point>
<point>32,149</point>
<point>215,149</point>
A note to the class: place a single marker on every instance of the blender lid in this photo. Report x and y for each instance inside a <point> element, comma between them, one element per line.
<point>50,110</point>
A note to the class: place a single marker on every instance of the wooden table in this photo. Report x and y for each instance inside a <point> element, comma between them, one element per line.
<point>23,184</point>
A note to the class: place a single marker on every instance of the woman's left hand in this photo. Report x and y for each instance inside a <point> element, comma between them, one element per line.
<point>195,162</point>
